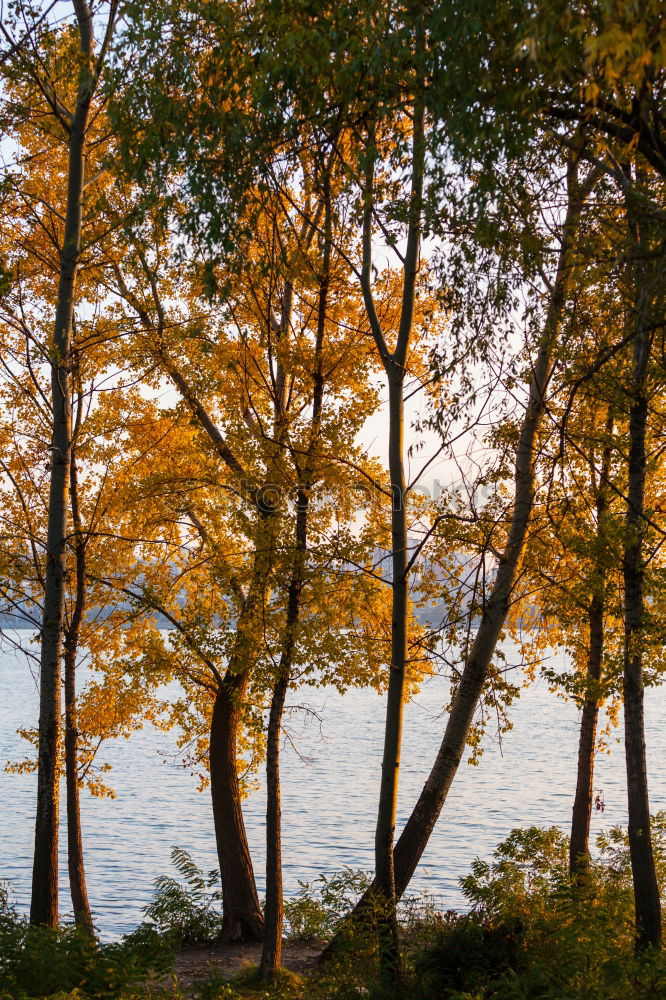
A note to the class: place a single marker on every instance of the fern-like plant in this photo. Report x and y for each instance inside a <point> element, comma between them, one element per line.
<point>185,909</point>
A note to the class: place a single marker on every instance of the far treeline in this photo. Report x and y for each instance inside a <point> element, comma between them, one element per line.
<point>230,234</point>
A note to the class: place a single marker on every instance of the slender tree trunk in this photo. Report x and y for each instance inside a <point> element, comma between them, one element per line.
<point>579,849</point>
<point>394,362</point>
<point>646,890</point>
<point>388,794</point>
<point>44,900</point>
<point>418,829</point>
<point>579,846</point>
<point>271,955</point>
<point>77,874</point>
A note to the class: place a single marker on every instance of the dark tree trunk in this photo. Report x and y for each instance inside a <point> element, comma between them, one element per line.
<point>385,892</point>
<point>646,890</point>
<point>579,846</point>
<point>271,956</point>
<point>419,827</point>
<point>77,874</point>
<point>242,917</point>
<point>394,363</point>
<point>579,850</point>
<point>44,899</point>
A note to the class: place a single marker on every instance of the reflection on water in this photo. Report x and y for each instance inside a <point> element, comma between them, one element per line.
<point>329,794</point>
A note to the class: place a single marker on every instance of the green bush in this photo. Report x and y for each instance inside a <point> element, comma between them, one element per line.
<point>43,962</point>
<point>186,911</point>
<point>468,952</point>
<point>313,913</point>
<point>534,935</point>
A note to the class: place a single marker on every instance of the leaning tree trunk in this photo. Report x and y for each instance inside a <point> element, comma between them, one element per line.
<point>44,899</point>
<point>418,829</point>
<point>646,890</point>
<point>77,874</point>
<point>579,846</point>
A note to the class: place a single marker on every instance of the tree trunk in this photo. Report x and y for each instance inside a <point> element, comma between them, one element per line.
<point>394,362</point>
<point>77,875</point>
<point>385,888</point>
<point>416,834</point>
<point>646,889</point>
<point>242,917</point>
<point>44,899</point>
<point>579,846</point>
<point>417,831</point>
<point>579,849</point>
<point>271,955</point>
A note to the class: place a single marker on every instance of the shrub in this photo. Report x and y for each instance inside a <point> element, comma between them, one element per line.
<point>186,913</point>
<point>533,934</point>
<point>313,913</point>
<point>41,961</point>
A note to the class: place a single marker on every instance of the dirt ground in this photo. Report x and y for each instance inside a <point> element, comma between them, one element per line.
<point>195,965</point>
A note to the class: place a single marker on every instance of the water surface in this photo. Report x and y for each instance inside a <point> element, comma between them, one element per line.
<point>330,787</point>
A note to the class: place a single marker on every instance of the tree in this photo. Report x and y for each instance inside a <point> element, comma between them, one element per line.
<point>284,334</point>
<point>646,890</point>
<point>554,71</point>
<point>28,59</point>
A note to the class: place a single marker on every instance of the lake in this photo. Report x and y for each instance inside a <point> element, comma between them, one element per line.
<point>330,787</point>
